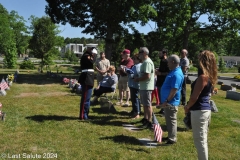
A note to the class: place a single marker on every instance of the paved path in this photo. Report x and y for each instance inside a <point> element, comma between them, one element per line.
<point>225,80</point>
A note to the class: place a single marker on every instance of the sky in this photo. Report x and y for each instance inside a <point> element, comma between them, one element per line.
<point>26,8</point>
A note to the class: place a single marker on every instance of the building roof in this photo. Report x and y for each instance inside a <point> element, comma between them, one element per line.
<point>231,58</point>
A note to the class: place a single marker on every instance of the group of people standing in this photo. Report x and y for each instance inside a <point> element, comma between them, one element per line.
<point>137,76</point>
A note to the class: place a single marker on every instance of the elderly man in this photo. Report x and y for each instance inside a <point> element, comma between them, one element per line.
<point>126,62</point>
<point>86,79</point>
<point>170,96</point>
<point>184,64</point>
<point>146,81</point>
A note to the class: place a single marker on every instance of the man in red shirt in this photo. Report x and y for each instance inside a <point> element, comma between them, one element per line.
<point>126,62</point>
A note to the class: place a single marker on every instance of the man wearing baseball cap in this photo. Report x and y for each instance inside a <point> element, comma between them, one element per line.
<point>126,62</point>
<point>86,79</point>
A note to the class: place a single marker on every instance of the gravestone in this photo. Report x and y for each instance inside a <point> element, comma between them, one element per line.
<point>107,105</point>
<point>233,84</point>
<point>148,142</point>
<point>220,83</point>
<point>131,127</point>
<point>238,86</point>
<point>238,121</point>
<point>233,95</point>
<point>226,87</point>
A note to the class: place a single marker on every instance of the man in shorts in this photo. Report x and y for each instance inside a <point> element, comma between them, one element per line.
<point>146,81</point>
<point>126,62</point>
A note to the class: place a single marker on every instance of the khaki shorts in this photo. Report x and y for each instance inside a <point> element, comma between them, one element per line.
<point>123,83</point>
<point>145,97</point>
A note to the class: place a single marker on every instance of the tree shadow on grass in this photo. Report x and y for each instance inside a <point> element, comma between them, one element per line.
<point>42,118</point>
<point>109,120</point>
<point>123,139</point>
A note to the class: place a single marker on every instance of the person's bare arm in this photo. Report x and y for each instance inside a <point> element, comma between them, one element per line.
<point>145,76</point>
<point>172,93</point>
<point>184,68</point>
<point>200,84</point>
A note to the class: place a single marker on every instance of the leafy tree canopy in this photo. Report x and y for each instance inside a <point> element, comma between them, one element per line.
<point>101,18</point>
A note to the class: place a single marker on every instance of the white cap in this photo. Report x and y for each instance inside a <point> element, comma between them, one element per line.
<point>94,51</point>
<point>91,45</point>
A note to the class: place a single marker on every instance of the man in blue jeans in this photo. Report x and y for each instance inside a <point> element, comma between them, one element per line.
<point>184,64</point>
<point>170,96</point>
<point>86,79</point>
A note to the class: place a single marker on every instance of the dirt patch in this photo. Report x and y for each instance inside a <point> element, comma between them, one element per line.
<point>42,94</point>
<point>56,94</point>
<point>28,95</point>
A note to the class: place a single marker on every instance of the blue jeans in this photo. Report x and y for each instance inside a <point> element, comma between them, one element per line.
<point>85,101</point>
<point>136,106</point>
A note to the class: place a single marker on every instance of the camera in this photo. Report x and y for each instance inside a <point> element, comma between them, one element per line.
<point>108,71</point>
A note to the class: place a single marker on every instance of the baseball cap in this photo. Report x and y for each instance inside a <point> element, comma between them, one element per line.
<point>125,51</point>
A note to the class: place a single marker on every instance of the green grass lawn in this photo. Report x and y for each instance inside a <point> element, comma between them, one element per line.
<point>42,118</point>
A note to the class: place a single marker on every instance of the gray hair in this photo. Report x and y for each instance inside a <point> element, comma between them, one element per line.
<point>145,49</point>
<point>174,58</point>
<point>184,50</point>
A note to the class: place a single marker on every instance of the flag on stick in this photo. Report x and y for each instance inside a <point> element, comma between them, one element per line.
<point>157,129</point>
<point>4,85</point>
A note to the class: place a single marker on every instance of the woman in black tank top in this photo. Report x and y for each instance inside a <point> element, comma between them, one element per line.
<point>199,101</point>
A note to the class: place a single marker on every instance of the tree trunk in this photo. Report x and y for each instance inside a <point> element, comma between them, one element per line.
<point>109,43</point>
<point>185,38</point>
<point>42,66</point>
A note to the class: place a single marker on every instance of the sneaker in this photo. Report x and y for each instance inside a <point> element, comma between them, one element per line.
<point>135,116</point>
<point>169,142</point>
<point>126,105</point>
<point>119,103</point>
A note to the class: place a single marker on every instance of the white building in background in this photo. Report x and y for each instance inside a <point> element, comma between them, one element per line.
<point>77,49</point>
<point>231,61</point>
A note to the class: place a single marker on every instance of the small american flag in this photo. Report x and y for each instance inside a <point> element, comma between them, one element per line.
<point>157,129</point>
<point>4,85</point>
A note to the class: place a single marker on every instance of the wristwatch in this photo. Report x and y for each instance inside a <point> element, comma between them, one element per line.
<point>167,100</point>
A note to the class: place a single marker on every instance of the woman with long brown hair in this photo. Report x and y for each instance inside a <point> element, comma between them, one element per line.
<point>198,104</point>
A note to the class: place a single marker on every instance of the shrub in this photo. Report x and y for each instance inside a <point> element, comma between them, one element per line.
<point>237,77</point>
<point>193,69</point>
<point>27,65</point>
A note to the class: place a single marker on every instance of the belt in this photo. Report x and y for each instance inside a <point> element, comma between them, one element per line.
<point>87,70</point>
